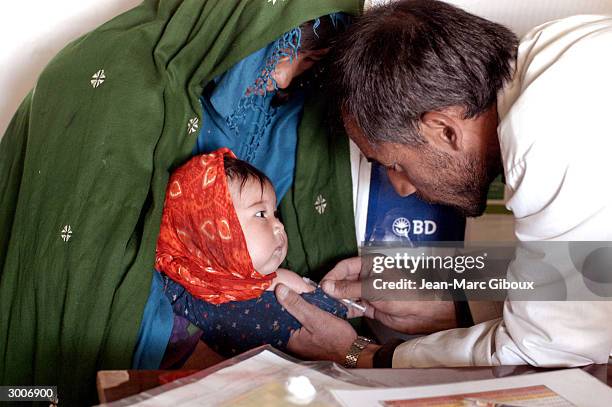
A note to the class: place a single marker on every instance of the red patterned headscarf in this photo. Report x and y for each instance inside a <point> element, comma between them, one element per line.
<point>201,245</point>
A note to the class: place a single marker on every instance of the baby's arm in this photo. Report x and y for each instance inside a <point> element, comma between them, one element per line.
<point>236,326</point>
<point>291,280</point>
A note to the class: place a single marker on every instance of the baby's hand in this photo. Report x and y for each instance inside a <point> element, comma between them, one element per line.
<point>291,280</point>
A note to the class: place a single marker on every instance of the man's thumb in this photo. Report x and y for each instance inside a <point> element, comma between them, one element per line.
<point>306,313</point>
<point>342,288</point>
<point>287,297</point>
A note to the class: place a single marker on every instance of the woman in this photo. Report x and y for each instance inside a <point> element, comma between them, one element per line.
<point>91,149</point>
<point>84,165</point>
<point>254,109</point>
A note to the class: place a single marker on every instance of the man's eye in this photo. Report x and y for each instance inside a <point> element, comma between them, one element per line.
<point>261,214</point>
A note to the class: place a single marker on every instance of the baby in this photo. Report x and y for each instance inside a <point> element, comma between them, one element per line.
<point>219,252</point>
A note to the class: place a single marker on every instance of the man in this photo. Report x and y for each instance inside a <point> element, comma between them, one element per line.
<point>418,82</point>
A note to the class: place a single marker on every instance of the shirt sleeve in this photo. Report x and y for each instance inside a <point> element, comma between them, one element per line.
<point>539,333</point>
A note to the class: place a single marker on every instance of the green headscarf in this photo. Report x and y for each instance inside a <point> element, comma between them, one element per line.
<point>83,171</point>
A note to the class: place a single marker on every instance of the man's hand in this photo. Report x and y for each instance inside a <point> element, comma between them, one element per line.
<point>412,317</point>
<point>344,278</point>
<point>322,336</point>
<point>291,280</point>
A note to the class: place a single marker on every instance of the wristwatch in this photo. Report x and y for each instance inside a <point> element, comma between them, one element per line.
<point>358,345</point>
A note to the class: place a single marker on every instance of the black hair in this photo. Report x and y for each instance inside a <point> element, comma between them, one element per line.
<point>322,36</point>
<point>401,60</point>
<point>241,171</point>
<point>315,35</point>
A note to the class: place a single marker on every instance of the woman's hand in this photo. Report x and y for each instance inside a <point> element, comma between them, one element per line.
<point>291,280</point>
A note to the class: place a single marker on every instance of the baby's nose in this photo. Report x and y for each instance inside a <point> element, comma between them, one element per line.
<point>278,225</point>
<point>279,231</point>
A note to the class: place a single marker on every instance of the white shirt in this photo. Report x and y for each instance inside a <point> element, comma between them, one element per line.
<point>360,176</point>
<point>556,143</point>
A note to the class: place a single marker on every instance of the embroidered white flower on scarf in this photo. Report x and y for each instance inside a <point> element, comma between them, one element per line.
<point>320,204</point>
<point>273,2</point>
<point>192,126</point>
<point>66,233</point>
<point>98,78</point>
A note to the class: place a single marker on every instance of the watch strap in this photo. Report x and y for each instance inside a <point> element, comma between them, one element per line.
<point>358,345</point>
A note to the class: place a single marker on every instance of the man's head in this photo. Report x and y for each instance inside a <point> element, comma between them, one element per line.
<point>417,82</point>
<point>255,204</point>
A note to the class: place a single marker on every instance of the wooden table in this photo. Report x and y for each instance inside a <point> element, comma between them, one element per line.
<point>117,384</point>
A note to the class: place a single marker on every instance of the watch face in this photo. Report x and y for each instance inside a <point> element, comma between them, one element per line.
<point>362,341</point>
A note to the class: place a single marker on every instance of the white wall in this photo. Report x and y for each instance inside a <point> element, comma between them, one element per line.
<point>522,15</point>
<point>33,31</point>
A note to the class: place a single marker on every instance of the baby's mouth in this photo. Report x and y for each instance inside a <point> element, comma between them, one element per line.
<point>280,248</point>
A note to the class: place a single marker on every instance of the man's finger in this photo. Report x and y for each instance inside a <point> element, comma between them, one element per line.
<point>299,340</point>
<point>370,310</point>
<point>347,269</point>
<point>307,314</point>
<point>342,288</point>
<point>352,312</point>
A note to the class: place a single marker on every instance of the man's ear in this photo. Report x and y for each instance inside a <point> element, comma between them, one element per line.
<point>443,129</point>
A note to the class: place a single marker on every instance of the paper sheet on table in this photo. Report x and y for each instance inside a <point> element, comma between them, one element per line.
<point>259,380</point>
<point>563,388</point>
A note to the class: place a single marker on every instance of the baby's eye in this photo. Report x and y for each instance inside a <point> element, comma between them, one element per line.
<point>277,214</point>
<point>260,214</point>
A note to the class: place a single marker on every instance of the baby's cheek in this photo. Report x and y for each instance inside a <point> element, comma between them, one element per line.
<point>261,258</point>
<point>257,258</point>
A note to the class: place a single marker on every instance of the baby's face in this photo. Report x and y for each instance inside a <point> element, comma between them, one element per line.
<point>264,233</point>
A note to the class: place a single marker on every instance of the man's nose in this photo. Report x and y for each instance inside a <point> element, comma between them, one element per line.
<point>400,183</point>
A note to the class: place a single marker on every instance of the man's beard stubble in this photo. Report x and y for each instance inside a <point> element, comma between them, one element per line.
<point>463,185</point>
